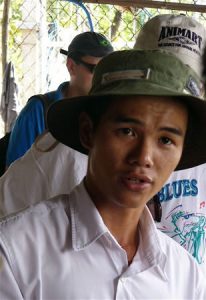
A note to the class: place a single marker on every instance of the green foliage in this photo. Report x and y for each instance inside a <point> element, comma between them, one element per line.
<point>15,9</point>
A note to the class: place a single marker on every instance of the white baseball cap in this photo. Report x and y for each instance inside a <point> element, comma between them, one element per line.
<point>179,34</point>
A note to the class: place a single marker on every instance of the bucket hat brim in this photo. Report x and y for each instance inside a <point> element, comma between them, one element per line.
<point>137,73</point>
<point>63,121</point>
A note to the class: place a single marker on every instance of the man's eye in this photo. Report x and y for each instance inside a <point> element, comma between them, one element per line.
<point>127,131</point>
<point>165,140</point>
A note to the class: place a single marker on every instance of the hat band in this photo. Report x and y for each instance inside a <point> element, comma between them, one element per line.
<point>128,74</point>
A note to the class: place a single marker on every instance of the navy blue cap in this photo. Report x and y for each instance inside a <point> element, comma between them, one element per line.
<point>89,43</point>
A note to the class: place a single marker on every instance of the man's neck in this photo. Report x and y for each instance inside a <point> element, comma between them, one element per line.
<point>71,91</point>
<point>122,222</point>
<point>124,227</point>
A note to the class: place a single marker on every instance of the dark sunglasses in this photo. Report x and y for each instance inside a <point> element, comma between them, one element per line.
<point>155,208</point>
<point>158,208</point>
<point>89,67</point>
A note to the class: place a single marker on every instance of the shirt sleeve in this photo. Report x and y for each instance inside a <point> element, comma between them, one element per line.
<point>9,289</point>
<point>29,124</point>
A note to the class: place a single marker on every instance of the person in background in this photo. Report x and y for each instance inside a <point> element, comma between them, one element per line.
<point>180,206</point>
<point>84,52</point>
<point>47,169</point>
<point>100,242</point>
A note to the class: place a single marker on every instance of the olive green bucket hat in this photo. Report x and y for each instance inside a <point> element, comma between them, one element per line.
<point>137,72</point>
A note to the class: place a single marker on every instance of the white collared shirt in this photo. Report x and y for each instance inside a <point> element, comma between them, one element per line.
<point>61,249</point>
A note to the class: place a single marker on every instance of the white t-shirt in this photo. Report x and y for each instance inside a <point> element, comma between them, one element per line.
<point>61,249</point>
<point>183,200</point>
<point>39,175</point>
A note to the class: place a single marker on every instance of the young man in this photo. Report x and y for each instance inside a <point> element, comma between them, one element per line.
<point>84,52</point>
<point>183,197</point>
<point>100,242</point>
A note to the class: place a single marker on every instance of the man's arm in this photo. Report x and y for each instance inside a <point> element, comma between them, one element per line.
<point>29,124</point>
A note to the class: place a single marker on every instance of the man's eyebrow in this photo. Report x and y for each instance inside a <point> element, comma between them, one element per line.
<point>125,119</point>
<point>173,130</point>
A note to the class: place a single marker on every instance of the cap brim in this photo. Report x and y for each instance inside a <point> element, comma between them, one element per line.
<point>95,52</point>
<point>63,120</point>
<point>62,51</point>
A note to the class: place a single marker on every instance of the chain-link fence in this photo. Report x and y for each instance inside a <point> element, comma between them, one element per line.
<point>39,28</point>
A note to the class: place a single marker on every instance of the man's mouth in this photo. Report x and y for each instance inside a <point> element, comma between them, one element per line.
<point>140,178</point>
<point>137,182</point>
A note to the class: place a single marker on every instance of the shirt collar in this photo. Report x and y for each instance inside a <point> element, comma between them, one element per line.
<point>151,250</point>
<point>60,90</point>
<point>86,222</point>
<point>150,239</point>
<point>87,226</point>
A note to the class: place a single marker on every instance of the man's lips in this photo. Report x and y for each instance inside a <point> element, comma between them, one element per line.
<point>136,182</point>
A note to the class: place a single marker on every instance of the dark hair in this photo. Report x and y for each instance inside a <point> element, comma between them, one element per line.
<point>75,55</point>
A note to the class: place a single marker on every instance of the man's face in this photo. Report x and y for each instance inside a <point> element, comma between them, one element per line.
<point>83,75</point>
<point>134,149</point>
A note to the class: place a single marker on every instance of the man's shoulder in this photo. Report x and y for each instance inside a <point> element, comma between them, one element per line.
<point>33,216</point>
<point>32,106</point>
<point>40,101</point>
<point>31,114</point>
<point>27,236</point>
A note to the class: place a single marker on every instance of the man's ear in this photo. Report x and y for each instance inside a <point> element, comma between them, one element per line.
<point>86,131</point>
<point>70,65</point>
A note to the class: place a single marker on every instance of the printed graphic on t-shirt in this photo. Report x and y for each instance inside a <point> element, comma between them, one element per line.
<point>184,216</point>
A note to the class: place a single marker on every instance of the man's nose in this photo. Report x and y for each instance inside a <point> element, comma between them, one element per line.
<point>142,154</point>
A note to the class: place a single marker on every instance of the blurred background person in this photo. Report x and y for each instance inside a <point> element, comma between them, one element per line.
<point>84,52</point>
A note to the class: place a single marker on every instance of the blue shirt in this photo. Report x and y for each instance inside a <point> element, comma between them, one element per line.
<point>29,124</point>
